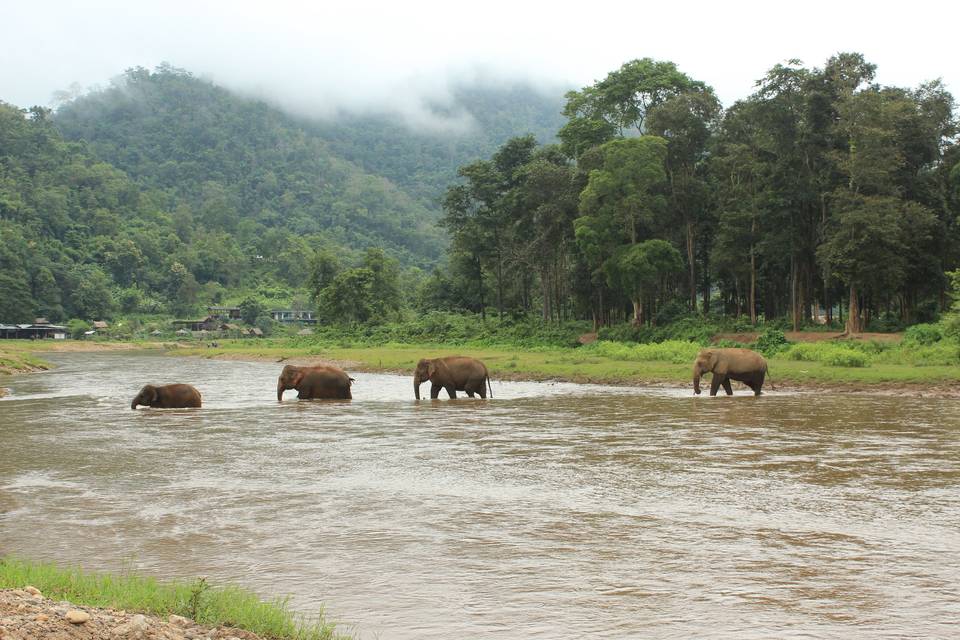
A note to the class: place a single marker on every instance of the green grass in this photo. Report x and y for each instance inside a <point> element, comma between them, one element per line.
<point>601,362</point>
<point>209,605</point>
<point>15,355</point>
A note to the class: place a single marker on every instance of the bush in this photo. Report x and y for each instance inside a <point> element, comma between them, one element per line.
<point>831,354</point>
<point>675,351</point>
<point>771,342</point>
<point>77,327</point>
<point>922,335</point>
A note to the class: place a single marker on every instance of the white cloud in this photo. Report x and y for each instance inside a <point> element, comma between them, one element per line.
<point>318,58</point>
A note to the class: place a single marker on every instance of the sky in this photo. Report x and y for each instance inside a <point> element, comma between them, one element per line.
<point>320,58</point>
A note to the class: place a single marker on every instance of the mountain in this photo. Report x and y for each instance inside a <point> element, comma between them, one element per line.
<point>165,192</point>
<point>358,180</point>
<point>424,163</point>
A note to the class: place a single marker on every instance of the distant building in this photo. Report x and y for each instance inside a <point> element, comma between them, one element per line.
<point>292,315</point>
<point>100,326</point>
<point>35,331</point>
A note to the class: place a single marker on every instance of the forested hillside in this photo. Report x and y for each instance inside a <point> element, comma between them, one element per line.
<point>164,192</point>
<point>236,165</point>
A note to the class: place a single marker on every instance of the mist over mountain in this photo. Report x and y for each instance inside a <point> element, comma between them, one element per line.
<point>361,180</point>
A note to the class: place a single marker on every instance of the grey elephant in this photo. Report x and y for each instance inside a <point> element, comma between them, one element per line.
<point>169,396</point>
<point>453,373</point>
<point>743,365</point>
<point>323,382</point>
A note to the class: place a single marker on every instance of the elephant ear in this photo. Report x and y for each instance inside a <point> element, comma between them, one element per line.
<point>431,369</point>
<point>297,378</point>
<point>150,393</point>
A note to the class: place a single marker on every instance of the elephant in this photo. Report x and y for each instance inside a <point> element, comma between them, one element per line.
<point>168,396</point>
<point>325,382</point>
<point>453,373</point>
<point>743,365</point>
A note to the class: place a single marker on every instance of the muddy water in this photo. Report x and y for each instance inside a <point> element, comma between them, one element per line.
<point>553,511</point>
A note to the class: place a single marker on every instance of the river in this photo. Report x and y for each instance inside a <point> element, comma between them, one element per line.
<point>551,511</point>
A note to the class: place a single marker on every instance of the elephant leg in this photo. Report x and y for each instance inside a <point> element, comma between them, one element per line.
<point>727,387</point>
<point>759,383</point>
<point>434,391</point>
<point>470,393</point>
<point>452,392</point>
<point>715,384</point>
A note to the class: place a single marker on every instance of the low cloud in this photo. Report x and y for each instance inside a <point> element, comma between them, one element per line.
<point>321,59</point>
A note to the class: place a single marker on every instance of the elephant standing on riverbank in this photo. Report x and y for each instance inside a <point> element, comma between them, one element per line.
<point>323,382</point>
<point>170,396</point>
<point>453,373</point>
<point>743,365</point>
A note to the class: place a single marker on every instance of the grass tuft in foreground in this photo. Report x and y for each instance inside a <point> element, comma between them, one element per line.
<point>209,605</point>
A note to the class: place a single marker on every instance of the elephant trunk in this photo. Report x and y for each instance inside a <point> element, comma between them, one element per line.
<point>280,389</point>
<point>696,379</point>
<point>133,405</point>
<point>416,385</point>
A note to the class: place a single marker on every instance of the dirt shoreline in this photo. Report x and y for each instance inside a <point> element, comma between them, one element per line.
<point>26,615</point>
<point>916,390</point>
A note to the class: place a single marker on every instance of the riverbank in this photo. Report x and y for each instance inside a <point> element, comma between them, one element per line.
<point>20,356</point>
<point>584,365</point>
<point>40,600</point>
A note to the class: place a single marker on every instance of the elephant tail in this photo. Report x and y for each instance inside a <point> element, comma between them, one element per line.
<point>489,386</point>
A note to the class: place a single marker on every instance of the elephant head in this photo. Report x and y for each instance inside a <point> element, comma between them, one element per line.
<point>289,378</point>
<point>425,370</point>
<point>705,362</point>
<point>146,397</point>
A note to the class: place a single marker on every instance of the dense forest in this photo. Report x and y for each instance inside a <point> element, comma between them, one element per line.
<point>163,192</point>
<point>823,197</point>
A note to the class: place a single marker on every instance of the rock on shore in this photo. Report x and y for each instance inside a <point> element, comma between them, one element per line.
<point>26,615</point>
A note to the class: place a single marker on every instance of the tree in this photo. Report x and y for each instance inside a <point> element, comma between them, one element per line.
<point>639,270</point>
<point>251,309</point>
<point>90,292</point>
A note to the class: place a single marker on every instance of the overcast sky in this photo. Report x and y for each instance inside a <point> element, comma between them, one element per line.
<point>318,57</point>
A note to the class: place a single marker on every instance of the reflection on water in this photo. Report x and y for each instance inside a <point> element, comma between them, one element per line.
<point>552,511</point>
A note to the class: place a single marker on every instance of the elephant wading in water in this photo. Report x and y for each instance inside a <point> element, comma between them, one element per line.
<point>743,365</point>
<point>323,382</point>
<point>453,373</point>
<point>170,396</point>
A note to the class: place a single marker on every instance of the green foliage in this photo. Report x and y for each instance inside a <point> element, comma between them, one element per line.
<point>771,342</point>
<point>828,353</point>
<point>922,335</point>
<point>368,293</point>
<point>675,351</point>
<point>251,309</point>
<point>77,327</point>
<point>228,605</point>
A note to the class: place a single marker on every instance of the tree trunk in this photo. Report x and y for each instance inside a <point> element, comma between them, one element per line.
<point>753,287</point>
<point>637,310</point>
<point>853,313</point>
<point>692,270</point>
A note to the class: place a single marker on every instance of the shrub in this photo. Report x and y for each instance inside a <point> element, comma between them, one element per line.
<point>675,351</point>
<point>771,342</point>
<point>831,354</point>
<point>922,334</point>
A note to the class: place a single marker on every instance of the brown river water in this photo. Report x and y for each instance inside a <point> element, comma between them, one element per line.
<point>551,511</point>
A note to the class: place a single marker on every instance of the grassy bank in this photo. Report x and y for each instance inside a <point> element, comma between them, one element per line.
<point>196,600</point>
<point>619,363</point>
<point>16,356</point>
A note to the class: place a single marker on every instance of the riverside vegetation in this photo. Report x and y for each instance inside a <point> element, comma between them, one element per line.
<point>196,600</point>
<point>822,196</point>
